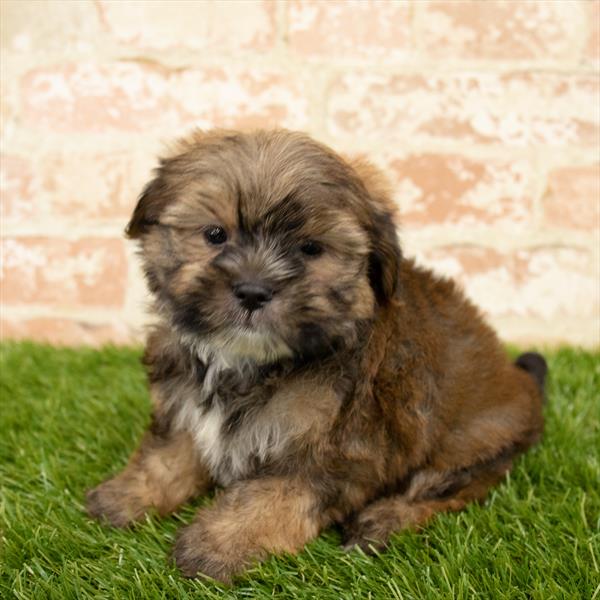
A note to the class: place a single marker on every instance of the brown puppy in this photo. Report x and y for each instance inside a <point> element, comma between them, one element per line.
<point>302,363</point>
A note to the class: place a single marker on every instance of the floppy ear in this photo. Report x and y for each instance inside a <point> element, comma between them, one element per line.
<point>148,208</point>
<point>385,257</point>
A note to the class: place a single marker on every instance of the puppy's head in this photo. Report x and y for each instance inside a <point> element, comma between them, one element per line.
<point>267,244</point>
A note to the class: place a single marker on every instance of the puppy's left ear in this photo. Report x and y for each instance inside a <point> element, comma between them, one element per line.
<point>149,206</point>
<point>385,257</point>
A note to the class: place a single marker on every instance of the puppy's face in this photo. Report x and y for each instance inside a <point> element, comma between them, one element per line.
<point>266,245</point>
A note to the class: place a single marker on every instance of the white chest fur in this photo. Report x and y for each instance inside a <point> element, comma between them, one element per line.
<point>299,411</point>
<point>230,456</point>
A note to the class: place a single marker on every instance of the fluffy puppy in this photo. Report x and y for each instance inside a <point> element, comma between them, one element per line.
<point>302,364</point>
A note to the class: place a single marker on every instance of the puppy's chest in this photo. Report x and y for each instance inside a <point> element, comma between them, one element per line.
<point>238,430</point>
<point>232,446</point>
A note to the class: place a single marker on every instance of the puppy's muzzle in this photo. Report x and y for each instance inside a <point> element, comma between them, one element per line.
<point>252,295</point>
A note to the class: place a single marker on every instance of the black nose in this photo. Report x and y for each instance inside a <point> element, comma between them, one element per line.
<point>252,295</point>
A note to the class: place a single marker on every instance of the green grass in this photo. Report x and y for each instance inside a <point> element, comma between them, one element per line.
<point>68,418</point>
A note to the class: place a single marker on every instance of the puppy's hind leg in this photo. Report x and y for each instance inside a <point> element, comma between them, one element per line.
<point>164,472</point>
<point>428,493</point>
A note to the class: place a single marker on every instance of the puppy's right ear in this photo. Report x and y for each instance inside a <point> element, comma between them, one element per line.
<point>385,258</point>
<point>149,206</point>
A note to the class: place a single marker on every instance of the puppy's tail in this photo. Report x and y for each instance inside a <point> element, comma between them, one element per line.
<point>535,364</point>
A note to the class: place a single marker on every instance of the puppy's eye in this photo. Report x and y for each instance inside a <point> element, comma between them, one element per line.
<point>215,235</point>
<point>311,248</point>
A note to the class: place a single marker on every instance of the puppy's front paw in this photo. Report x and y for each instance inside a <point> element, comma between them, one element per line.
<point>114,502</point>
<point>195,552</point>
<point>369,531</point>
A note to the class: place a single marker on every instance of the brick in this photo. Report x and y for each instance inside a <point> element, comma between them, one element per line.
<point>437,189</point>
<point>9,106</point>
<point>28,27</point>
<point>63,273</point>
<point>64,332</point>
<point>16,188</point>
<point>516,30</point>
<point>516,109</point>
<point>239,97</point>
<point>103,186</point>
<point>137,97</point>
<point>94,98</point>
<point>545,282</point>
<point>166,24</point>
<point>572,198</point>
<point>251,25</point>
<point>73,187</point>
<point>359,29</point>
<point>592,46</point>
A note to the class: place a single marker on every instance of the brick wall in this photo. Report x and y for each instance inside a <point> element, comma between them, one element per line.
<point>485,115</point>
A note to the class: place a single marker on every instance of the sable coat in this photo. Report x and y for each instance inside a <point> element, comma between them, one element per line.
<point>302,363</point>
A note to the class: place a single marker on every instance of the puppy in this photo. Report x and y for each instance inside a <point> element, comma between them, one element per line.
<point>302,364</point>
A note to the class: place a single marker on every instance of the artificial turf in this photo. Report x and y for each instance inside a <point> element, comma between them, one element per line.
<point>69,418</point>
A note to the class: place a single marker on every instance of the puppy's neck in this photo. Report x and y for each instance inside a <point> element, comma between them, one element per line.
<point>243,352</point>
<point>238,346</point>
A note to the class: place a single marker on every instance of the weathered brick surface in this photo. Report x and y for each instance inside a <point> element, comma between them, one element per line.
<point>29,27</point>
<point>547,282</point>
<point>351,29</point>
<point>59,272</point>
<point>592,46</point>
<point>164,24</point>
<point>516,109</point>
<point>484,115</point>
<point>137,97</point>
<point>449,189</point>
<point>70,187</point>
<point>572,198</point>
<point>501,30</point>
<point>92,97</point>
<point>16,187</point>
<point>242,97</point>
